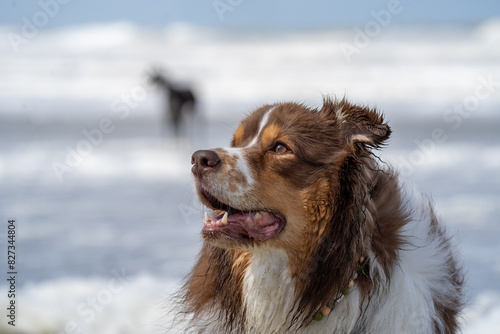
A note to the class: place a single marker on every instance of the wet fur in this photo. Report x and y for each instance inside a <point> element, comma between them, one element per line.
<point>355,208</point>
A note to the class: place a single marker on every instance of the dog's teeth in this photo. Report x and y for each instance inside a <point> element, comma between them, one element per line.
<point>218,223</point>
<point>207,218</point>
<point>258,215</point>
<point>224,219</point>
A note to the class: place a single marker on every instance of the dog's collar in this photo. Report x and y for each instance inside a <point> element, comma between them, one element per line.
<point>325,309</point>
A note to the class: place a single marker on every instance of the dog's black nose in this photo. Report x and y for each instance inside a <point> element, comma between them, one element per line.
<point>204,161</point>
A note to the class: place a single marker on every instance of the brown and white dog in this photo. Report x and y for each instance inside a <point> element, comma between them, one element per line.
<point>307,233</point>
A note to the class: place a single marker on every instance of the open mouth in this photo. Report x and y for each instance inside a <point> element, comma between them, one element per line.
<point>259,225</point>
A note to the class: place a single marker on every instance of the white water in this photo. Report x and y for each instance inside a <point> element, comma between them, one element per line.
<point>127,205</point>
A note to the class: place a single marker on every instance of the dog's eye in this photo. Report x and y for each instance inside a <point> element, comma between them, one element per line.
<point>280,149</point>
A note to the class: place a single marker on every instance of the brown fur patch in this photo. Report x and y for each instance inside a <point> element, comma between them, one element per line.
<point>238,135</point>
<point>269,135</point>
<point>217,281</point>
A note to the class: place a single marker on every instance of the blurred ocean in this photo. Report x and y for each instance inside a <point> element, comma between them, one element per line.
<point>108,224</point>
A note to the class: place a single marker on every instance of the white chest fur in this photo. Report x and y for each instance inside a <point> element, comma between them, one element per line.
<point>270,295</point>
<point>268,291</point>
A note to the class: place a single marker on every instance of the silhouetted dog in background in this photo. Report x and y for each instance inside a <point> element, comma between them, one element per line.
<point>179,100</point>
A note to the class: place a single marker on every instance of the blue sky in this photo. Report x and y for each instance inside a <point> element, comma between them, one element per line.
<point>281,14</point>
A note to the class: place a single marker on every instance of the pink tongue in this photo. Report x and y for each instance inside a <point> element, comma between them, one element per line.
<point>257,225</point>
<point>253,218</point>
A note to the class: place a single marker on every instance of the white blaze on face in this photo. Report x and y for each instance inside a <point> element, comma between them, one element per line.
<point>238,154</point>
<point>262,124</point>
<point>236,178</point>
<point>241,164</point>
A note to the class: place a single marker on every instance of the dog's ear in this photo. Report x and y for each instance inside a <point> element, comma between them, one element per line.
<point>360,126</point>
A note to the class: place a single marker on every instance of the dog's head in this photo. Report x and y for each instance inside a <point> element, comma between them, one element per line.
<point>277,183</point>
